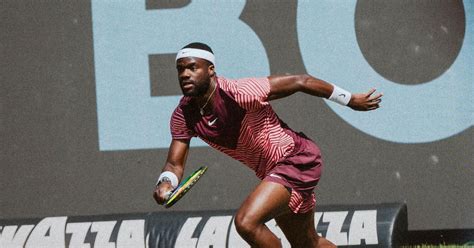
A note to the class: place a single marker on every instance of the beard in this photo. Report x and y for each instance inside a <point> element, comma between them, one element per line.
<point>199,88</point>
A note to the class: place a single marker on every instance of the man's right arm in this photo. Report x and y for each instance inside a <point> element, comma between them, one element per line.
<point>175,163</point>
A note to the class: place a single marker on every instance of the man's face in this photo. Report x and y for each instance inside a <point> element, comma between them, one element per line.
<point>194,75</point>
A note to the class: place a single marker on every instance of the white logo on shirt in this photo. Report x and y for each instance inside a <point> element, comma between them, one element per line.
<point>210,123</point>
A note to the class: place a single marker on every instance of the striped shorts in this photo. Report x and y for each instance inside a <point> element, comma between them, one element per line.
<point>299,171</point>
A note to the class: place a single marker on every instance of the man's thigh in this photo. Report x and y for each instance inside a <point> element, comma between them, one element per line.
<point>267,201</point>
<point>298,228</point>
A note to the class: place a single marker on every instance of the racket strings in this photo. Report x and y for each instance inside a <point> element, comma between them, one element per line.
<point>185,186</point>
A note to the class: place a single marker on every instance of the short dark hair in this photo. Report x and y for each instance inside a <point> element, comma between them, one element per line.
<point>199,45</point>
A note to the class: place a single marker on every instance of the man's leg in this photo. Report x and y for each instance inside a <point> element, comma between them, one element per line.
<point>300,231</point>
<point>267,201</point>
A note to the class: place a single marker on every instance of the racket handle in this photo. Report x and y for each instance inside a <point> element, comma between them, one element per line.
<point>168,194</point>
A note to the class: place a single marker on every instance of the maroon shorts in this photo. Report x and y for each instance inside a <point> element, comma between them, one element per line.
<point>299,171</point>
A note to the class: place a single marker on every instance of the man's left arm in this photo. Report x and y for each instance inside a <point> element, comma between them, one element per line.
<point>283,86</point>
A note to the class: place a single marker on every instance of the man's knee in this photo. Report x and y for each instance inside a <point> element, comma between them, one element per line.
<point>245,225</point>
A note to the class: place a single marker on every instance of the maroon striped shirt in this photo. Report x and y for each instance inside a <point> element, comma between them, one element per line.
<point>242,124</point>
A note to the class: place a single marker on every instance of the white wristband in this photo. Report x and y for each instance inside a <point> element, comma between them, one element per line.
<point>168,174</point>
<point>340,96</point>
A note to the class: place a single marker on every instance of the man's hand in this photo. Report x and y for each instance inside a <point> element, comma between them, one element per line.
<point>365,101</point>
<point>162,192</point>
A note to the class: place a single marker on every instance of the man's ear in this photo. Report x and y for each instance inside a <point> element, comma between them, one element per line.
<point>211,70</point>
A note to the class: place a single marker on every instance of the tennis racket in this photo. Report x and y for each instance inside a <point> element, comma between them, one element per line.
<point>185,186</point>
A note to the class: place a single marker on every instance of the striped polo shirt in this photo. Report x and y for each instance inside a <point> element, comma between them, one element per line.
<point>242,124</point>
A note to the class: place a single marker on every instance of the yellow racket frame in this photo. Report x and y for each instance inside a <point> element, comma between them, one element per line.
<point>185,186</point>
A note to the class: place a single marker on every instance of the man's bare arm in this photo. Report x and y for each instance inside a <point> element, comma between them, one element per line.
<point>175,163</point>
<point>283,86</point>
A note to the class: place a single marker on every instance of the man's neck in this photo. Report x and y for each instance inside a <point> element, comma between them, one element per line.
<point>206,100</point>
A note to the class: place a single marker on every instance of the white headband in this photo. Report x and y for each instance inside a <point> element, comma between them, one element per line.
<point>198,53</point>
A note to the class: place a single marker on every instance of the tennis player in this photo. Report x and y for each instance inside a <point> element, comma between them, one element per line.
<point>235,117</point>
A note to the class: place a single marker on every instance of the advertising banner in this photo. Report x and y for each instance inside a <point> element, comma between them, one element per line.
<point>383,225</point>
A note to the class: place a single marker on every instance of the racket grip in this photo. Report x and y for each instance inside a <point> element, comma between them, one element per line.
<point>168,194</point>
